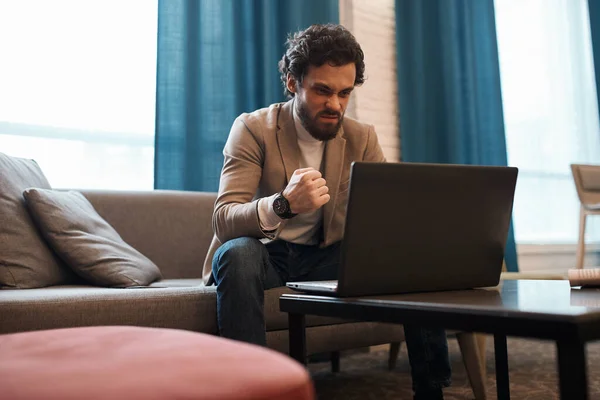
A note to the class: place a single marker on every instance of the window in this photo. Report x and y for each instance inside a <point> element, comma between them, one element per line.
<point>550,112</point>
<point>77,89</point>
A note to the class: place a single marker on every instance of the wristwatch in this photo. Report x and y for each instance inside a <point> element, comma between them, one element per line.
<point>282,207</point>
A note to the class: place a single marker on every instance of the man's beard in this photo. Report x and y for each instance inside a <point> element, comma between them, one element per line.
<point>312,124</point>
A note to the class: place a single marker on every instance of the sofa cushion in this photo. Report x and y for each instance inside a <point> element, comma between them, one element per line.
<point>171,303</point>
<point>25,260</point>
<point>190,308</point>
<point>86,242</point>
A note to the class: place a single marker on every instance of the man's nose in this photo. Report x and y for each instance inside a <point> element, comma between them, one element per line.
<point>333,103</point>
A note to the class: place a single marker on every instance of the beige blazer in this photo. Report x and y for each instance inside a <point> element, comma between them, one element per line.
<point>260,156</point>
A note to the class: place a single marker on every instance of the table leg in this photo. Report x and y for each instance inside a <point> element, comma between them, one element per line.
<point>297,332</point>
<point>572,374</point>
<point>501,358</point>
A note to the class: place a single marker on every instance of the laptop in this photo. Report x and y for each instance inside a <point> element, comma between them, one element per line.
<point>416,227</point>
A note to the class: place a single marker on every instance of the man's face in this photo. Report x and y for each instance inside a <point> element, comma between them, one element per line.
<point>322,98</point>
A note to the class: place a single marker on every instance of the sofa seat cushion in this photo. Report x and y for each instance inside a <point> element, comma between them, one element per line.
<point>88,244</point>
<point>25,259</point>
<point>181,283</point>
<point>190,308</point>
<point>170,303</point>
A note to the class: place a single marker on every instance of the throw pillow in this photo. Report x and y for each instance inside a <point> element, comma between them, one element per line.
<point>25,259</point>
<point>86,242</point>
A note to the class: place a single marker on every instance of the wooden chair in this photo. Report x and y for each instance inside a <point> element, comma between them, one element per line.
<point>587,183</point>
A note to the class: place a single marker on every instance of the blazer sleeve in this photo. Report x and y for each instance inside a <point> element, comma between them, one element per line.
<point>373,151</point>
<point>236,211</point>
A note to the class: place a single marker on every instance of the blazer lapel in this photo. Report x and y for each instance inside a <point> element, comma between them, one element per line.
<point>334,162</point>
<point>287,139</point>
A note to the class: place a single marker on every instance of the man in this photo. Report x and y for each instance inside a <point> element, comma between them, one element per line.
<point>285,178</point>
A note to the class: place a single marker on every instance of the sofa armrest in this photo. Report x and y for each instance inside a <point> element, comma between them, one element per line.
<point>172,228</point>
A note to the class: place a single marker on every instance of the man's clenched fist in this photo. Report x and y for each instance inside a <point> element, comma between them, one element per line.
<point>306,191</point>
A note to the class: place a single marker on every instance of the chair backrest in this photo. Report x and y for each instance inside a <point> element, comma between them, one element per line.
<point>587,183</point>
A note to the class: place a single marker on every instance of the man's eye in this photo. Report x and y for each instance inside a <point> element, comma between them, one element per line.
<point>322,91</point>
<point>344,94</point>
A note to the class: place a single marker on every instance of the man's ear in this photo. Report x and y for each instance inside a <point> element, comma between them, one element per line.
<point>291,83</point>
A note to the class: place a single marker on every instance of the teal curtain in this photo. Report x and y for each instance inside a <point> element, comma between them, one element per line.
<point>594,11</point>
<point>217,59</point>
<point>450,101</point>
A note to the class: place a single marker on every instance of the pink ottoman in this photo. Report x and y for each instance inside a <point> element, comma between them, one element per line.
<point>121,362</point>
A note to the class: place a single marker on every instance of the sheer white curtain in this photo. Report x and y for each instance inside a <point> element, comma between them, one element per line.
<point>550,112</point>
<point>77,89</point>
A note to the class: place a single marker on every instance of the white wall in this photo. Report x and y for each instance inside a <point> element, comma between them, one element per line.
<point>376,102</point>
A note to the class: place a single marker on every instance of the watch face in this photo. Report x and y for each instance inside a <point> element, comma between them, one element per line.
<point>280,205</point>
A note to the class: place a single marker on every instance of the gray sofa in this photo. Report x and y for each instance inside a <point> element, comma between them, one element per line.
<point>173,229</point>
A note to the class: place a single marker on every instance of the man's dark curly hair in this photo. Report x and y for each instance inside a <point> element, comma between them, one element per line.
<point>317,45</point>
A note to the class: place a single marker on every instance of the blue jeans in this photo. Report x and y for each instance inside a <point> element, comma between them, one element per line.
<point>244,268</point>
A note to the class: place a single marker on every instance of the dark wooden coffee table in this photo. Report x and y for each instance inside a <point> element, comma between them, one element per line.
<point>526,308</point>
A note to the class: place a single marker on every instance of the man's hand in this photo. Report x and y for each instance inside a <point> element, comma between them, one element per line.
<point>306,191</point>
